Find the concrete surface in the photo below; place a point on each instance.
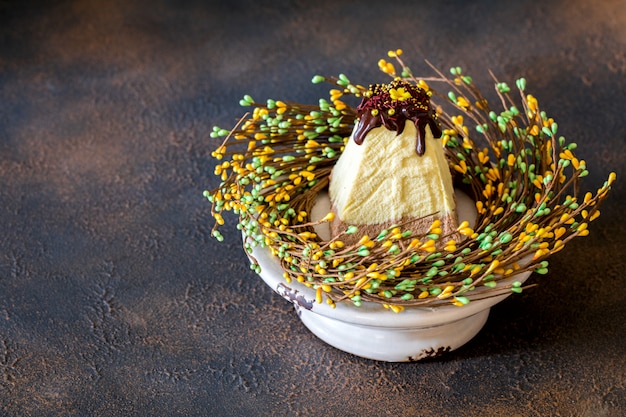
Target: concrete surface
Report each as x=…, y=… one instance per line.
x=115, y=301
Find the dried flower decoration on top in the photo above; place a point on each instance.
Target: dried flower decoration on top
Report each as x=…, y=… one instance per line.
x=391, y=105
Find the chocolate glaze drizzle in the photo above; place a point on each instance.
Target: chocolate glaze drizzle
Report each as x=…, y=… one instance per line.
x=391, y=105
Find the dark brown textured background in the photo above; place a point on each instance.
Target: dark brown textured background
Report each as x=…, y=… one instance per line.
x=115, y=301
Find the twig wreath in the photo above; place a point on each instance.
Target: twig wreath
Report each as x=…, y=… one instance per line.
x=523, y=177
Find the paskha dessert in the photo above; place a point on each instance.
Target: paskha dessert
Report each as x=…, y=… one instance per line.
x=524, y=199
x=393, y=169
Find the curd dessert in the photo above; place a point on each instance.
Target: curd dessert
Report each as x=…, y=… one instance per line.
x=393, y=170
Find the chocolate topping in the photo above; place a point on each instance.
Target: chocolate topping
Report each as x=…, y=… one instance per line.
x=391, y=105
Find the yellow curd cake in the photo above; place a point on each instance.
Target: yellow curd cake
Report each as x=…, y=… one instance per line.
x=393, y=169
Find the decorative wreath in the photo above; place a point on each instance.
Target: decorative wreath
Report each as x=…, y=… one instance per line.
x=523, y=177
